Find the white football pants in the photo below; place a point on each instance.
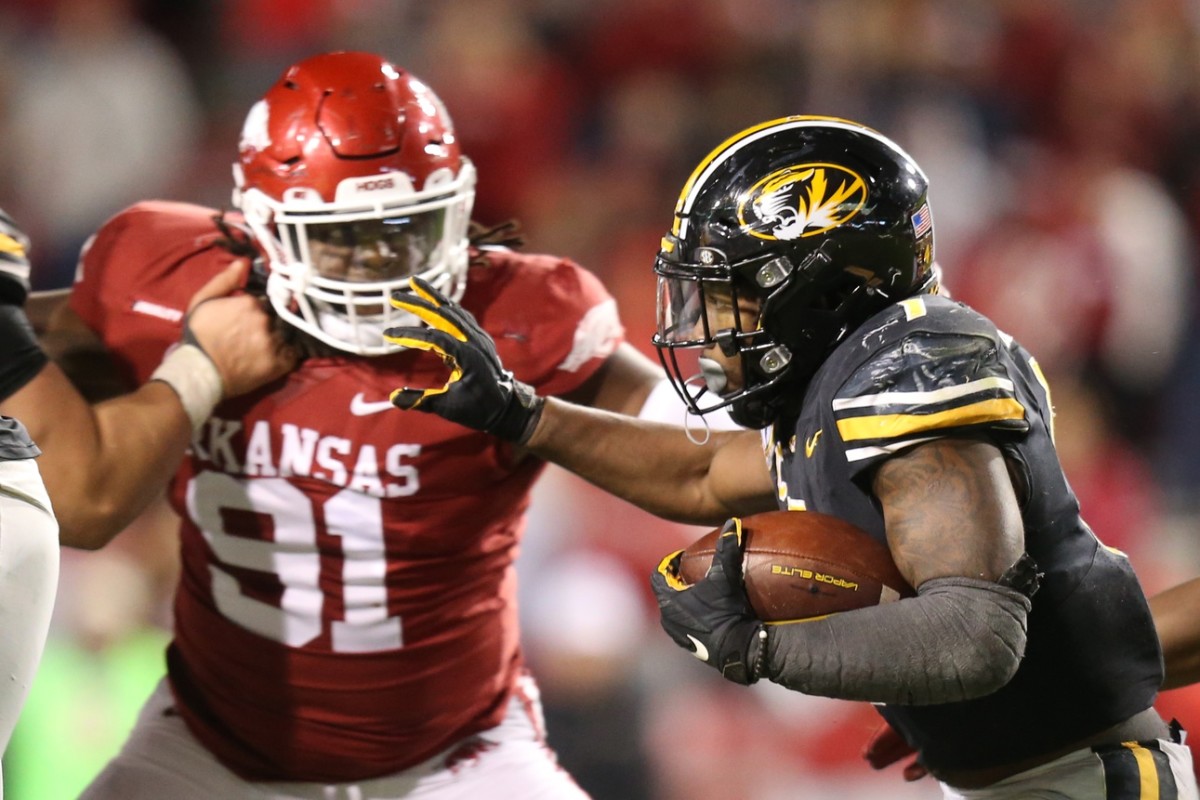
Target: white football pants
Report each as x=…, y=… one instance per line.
x=28, y=583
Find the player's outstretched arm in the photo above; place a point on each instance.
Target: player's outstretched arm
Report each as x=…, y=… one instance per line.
x=656, y=466
x=652, y=465
x=1178, y=627
x=104, y=464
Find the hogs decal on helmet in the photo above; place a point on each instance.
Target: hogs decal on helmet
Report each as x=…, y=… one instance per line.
x=350, y=176
x=786, y=237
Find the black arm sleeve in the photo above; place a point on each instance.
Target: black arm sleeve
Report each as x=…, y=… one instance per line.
x=960, y=638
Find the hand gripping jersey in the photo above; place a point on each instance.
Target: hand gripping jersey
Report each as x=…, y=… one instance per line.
x=347, y=600
x=925, y=368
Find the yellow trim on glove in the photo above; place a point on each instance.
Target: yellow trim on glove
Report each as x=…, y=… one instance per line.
x=737, y=529
x=665, y=569
x=450, y=361
x=426, y=315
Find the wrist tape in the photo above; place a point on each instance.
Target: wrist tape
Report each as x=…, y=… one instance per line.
x=194, y=377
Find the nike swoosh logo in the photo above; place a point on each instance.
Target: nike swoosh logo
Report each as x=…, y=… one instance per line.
x=360, y=406
x=701, y=652
x=811, y=444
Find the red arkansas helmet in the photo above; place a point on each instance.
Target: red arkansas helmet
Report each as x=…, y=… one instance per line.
x=352, y=180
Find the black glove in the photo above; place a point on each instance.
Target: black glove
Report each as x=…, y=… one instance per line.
x=14, y=262
x=480, y=394
x=712, y=619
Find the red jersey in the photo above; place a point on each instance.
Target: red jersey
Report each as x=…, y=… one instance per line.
x=347, y=605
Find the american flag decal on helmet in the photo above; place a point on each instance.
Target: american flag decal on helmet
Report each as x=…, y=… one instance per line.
x=922, y=221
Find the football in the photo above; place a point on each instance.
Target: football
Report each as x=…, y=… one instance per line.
x=801, y=564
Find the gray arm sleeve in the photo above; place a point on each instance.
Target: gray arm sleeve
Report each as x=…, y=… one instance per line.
x=958, y=639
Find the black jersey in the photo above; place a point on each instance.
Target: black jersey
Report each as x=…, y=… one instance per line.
x=925, y=368
x=15, y=444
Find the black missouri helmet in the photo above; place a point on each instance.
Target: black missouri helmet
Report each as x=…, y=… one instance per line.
x=817, y=223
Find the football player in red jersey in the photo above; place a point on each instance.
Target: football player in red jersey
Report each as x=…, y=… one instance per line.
x=799, y=272
x=346, y=623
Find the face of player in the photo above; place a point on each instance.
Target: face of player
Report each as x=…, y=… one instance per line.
x=370, y=250
x=722, y=315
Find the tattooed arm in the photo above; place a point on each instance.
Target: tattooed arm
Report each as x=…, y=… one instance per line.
x=951, y=511
x=954, y=528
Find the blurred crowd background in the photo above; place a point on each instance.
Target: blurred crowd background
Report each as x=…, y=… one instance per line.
x=1062, y=139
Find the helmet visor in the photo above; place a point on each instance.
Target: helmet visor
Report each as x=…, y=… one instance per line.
x=681, y=317
x=373, y=250
x=691, y=309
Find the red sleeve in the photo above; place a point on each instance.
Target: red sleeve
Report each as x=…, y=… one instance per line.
x=137, y=275
x=553, y=321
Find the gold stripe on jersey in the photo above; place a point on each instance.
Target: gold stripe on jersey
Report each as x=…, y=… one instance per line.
x=890, y=426
x=1137, y=771
x=1147, y=772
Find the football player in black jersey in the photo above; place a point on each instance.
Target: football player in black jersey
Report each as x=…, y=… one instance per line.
x=797, y=288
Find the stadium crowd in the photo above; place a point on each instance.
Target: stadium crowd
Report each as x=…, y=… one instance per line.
x=1061, y=140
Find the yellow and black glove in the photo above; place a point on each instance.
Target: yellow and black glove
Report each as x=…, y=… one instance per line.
x=712, y=618
x=480, y=393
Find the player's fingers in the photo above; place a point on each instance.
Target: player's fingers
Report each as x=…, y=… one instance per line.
x=433, y=340
x=447, y=308
x=914, y=772
x=228, y=280
x=287, y=355
x=427, y=290
x=732, y=527
x=668, y=572
x=406, y=399
x=728, y=553
x=429, y=313
x=886, y=747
